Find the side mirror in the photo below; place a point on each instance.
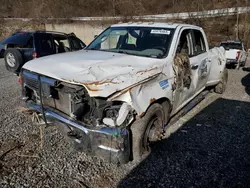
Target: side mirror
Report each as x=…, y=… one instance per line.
x=95, y=36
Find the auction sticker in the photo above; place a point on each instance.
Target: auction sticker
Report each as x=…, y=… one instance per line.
x=160, y=31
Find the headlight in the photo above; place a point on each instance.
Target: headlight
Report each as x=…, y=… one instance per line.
x=118, y=115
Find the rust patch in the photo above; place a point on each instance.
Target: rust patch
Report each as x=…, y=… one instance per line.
x=93, y=90
x=140, y=116
x=125, y=91
x=65, y=80
x=152, y=100
x=85, y=85
x=131, y=87
x=147, y=70
x=109, y=81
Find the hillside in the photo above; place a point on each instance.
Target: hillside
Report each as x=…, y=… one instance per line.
x=72, y=8
x=217, y=29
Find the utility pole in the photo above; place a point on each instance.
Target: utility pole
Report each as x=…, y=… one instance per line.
x=237, y=25
x=113, y=7
x=237, y=21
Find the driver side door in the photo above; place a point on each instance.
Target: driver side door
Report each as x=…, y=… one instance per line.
x=186, y=70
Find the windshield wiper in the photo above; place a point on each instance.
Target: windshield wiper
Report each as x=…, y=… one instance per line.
x=142, y=55
x=124, y=52
x=91, y=49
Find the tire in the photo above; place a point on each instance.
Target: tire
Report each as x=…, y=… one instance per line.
x=2, y=53
x=243, y=64
x=13, y=60
x=148, y=129
x=233, y=66
x=220, y=88
x=238, y=65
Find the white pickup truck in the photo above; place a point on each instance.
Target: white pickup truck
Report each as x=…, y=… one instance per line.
x=116, y=96
x=236, y=53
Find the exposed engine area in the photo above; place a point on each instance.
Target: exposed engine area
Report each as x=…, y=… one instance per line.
x=87, y=109
x=72, y=100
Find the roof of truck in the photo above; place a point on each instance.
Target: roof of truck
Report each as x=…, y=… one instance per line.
x=153, y=24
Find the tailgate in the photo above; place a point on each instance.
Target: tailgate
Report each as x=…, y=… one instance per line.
x=231, y=54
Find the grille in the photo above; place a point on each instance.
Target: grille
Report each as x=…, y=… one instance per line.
x=52, y=97
x=32, y=83
x=30, y=80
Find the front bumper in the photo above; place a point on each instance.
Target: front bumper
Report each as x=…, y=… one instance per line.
x=111, y=144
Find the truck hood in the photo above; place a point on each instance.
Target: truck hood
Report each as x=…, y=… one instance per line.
x=101, y=73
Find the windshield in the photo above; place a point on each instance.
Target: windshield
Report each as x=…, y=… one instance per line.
x=232, y=45
x=141, y=41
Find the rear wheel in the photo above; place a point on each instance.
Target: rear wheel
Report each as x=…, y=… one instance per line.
x=148, y=129
x=238, y=65
x=221, y=86
x=243, y=63
x=1, y=53
x=13, y=60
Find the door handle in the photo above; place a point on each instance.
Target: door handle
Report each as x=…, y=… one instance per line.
x=194, y=67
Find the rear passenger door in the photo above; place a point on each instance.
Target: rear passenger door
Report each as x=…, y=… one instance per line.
x=44, y=44
x=200, y=60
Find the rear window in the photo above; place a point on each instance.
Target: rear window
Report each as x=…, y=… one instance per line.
x=18, y=38
x=232, y=45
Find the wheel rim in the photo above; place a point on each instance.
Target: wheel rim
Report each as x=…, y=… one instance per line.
x=154, y=130
x=10, y=60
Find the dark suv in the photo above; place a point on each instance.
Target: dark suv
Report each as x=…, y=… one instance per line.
x=24, y=46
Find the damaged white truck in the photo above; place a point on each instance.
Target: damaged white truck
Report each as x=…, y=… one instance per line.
x=115, y=97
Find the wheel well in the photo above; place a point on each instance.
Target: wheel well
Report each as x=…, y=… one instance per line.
x=165, y=102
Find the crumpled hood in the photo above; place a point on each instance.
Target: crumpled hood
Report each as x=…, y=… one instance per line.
x=102, y=73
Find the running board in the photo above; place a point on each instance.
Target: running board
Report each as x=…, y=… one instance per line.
x=187, y=108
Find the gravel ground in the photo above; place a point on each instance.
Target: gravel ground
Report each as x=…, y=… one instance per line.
x=210, y=149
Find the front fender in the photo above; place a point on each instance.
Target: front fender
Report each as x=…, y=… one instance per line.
x=143, y=95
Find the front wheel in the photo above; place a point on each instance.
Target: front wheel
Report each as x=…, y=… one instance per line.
x=146, y=130
x=220, y=88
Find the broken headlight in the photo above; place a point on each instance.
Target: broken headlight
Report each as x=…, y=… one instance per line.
x=118, y=115
x=112, y=111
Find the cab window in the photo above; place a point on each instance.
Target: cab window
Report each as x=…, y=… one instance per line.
x=185, y=43
x=198, y=42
